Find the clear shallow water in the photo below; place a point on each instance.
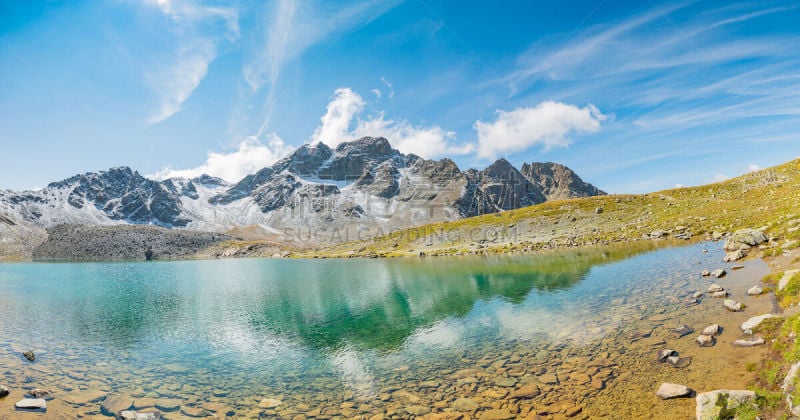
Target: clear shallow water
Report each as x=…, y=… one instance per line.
x=335, y=337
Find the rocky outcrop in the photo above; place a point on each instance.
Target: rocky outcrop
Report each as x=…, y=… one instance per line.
x=744, y=239
x=557, y=182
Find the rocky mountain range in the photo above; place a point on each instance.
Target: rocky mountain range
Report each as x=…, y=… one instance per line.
x=311, y=195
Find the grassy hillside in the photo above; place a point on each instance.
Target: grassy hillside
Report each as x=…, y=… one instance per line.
x=769, y=198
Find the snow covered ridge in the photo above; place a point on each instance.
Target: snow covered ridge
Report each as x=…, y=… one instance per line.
x=364, y=183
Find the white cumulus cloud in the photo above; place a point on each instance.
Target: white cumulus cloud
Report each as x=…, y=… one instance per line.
x=341, y=123
x=250, y=156
x=335, y=124
x=548, y=124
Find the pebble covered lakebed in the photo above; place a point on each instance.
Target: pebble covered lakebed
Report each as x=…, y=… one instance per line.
x=558, y=334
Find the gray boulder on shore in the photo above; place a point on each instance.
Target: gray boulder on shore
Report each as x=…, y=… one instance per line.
x=744, y=239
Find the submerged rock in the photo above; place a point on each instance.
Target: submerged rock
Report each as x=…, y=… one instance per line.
x=269, y=403
x=465, y=405
x=749, y=343
x=719, y=295
x=715, y=288
x=667, y=391
x=29, y=355
x=526, y=392
x=113, y=404
x=679, y=362
x=754, y=321
x=697, y=295
x=681, y=330
x=705, y=273
x=31, y=404
x=139, y=415
x=732, y=305
x=718, y=273
x=662, y=355
x=705, y=340
x=755, y=291
x=710, y=404
x=39, y=393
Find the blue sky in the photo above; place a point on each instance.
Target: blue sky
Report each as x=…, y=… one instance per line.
x=634, y=96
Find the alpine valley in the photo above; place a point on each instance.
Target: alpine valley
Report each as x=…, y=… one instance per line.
x=315, y=196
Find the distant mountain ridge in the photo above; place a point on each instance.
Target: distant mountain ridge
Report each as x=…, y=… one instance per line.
x=362, y=184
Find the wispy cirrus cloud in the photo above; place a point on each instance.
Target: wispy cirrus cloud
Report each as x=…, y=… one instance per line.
x=196, y=33
x=292, y=27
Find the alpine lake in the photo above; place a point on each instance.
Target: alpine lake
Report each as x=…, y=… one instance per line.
x=554, y=334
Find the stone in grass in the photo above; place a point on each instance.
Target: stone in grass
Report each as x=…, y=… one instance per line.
x=710, y=405
x=754, y=321
x=31, y=404
x=718, y=273
x=732, y=305
x=705, y=340
x=668, y=391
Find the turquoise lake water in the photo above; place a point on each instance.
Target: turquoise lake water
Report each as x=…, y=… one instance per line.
x=315, y=334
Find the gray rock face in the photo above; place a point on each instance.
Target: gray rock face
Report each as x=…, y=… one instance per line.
x=667, y=391
x=710, y=404
x=557, y=182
